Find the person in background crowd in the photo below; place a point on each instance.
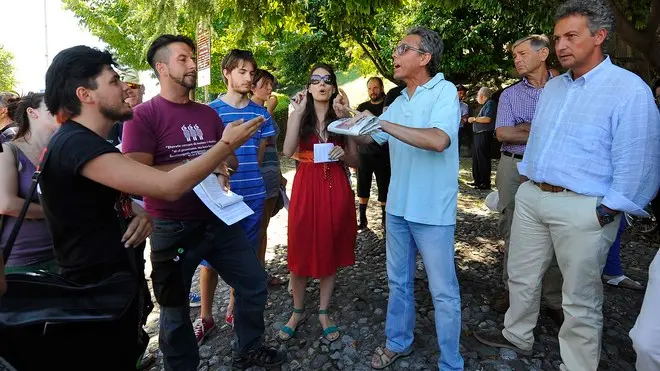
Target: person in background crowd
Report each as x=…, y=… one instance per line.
x=374, y=159
x=483, y=126
x=8, y=129
x=185, y=228
x=613, y=272
x=238, y=68
x=424, y=152
x=262, y=94
x=322, y=225
x=262, y=90
x=392, y=95
x=591, y=127
x=135, y=96
x=515, y=111
x=465, y=114
x=33, y=248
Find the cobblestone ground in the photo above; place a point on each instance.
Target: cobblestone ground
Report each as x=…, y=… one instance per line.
x=360, y=303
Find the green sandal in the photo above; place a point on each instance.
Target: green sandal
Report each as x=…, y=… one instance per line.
x=287, y=333
x=329, y=330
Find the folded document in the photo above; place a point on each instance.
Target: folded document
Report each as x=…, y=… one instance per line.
x=355, y=126
x=226, y=205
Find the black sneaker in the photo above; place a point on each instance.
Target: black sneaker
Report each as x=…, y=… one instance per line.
x=264, y=356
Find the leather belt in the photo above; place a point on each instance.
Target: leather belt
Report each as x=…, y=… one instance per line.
x=545, y=187
x=514, y=155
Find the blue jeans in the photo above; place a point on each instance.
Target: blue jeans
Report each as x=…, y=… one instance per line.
x=613, y=262
x=436, y=244
x=226, y=248
x=250, y=225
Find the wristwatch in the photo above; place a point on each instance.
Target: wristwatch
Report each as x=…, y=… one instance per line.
x=605, y=217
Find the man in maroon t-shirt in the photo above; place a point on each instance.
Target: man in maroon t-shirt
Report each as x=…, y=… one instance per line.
x=165, y=132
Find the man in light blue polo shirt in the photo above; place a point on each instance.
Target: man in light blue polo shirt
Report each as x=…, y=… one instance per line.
x=421, y=127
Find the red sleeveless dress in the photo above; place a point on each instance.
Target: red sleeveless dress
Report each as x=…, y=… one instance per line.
x=322, y=222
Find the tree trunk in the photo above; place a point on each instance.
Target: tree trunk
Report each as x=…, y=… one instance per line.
x=646, y=43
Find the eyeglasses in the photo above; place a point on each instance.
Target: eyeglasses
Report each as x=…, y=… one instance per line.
x=401, y=49
x=316, y=79
x=133, y=85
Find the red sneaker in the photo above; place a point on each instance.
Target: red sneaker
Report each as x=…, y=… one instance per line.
x=202, y=329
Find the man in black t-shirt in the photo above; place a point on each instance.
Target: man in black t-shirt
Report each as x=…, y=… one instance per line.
x=373, y=157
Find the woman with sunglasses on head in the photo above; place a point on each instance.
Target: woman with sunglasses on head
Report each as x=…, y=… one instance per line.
x=33, y=248
x=322, y=222
x=263, y=84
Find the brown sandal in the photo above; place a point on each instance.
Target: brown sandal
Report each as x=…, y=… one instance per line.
x=384, y=360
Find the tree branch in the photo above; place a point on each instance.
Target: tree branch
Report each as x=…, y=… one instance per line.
x=375, y=60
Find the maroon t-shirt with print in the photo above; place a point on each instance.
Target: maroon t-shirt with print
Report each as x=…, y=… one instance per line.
x=172, y=132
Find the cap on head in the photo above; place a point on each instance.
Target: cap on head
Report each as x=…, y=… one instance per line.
x=130, y=75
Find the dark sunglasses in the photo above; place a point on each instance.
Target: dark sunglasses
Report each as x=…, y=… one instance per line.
x=316, y=79
x=133, y=85
x=401, y=49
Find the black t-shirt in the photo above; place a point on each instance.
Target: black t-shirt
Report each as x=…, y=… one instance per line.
x=81, y=213
x=377, y=110
x=393, y=94
x=114, y=136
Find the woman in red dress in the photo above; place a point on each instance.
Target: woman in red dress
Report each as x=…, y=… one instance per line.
x=322, y=223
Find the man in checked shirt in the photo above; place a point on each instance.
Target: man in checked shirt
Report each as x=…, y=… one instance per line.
x=514, y=116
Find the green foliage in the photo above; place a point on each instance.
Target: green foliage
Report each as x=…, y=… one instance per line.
x=288, y=36
x=7, y=80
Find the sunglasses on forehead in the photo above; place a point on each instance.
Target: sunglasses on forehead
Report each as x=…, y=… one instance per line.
x=401, y=49
x=132, y=85
x=316, y=79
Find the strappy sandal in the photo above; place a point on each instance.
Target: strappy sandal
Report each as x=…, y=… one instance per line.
x=384, y=360
x=329, y=330
x=287, y=333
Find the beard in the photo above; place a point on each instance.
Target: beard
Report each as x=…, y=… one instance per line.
x=188, y=81
x=119, y=112
x=241, y=89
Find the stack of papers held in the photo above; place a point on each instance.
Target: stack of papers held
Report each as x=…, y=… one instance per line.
x=226, y=205
x=355, y=126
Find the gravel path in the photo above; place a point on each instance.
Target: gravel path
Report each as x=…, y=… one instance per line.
x=361, y=293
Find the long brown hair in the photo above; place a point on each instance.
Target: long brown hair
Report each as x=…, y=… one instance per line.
x=30, y=100
x=308, y=126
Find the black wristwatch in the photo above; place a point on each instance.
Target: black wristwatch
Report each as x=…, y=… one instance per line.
x=604, y=217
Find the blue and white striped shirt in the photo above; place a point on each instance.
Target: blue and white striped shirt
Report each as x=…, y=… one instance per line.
x=598, y=135
x=247, y=181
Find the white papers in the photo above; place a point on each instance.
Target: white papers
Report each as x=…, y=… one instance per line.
x=355, y=126
x=322, y=152
x=228, y=206
x=139, y=202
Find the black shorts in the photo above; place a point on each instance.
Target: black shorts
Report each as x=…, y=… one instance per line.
x=370, y=164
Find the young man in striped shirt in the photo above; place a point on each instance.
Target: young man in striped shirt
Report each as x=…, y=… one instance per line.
x=238, y=68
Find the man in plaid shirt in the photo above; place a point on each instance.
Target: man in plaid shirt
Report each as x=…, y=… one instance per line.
x=514, y=117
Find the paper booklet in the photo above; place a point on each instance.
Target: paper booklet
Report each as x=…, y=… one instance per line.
x=226, y=205
x=355, y=126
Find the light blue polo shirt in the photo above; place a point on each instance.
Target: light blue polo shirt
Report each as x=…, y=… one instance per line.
x=424, y=184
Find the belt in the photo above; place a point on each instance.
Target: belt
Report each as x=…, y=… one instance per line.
x=545, y=187
x=514, y=155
